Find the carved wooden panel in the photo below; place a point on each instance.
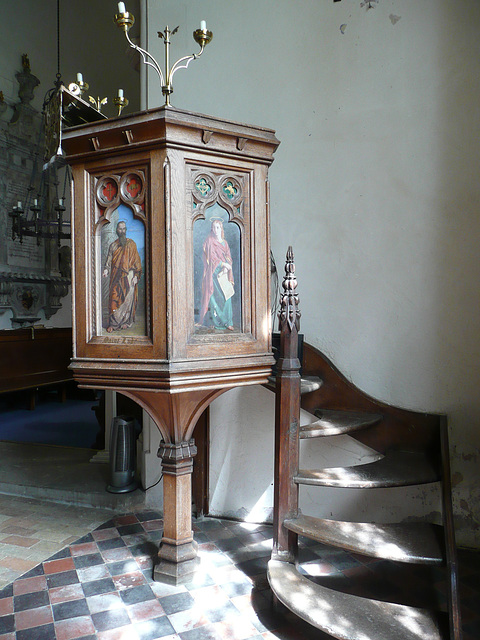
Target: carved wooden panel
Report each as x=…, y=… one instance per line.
x=34, y=357
x=116, y=274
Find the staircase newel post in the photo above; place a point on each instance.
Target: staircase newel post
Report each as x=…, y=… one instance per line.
x=287, y=417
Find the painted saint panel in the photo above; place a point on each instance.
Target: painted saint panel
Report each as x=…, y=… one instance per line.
x=217, y=273
x=123, y=275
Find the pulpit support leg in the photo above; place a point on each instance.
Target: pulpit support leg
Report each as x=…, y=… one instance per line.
x=176, y=415
x=177, y=555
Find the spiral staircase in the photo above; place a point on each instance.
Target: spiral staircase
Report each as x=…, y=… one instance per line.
x=414, y=451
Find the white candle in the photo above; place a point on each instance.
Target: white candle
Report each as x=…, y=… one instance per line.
x=120, y=93
x=121, y=7
x=35, y=202
x=203, y=25
x=19, y=205
x=79, y=77
x=60, y=202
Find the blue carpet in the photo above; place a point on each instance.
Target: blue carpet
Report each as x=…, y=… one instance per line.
x=70, y=424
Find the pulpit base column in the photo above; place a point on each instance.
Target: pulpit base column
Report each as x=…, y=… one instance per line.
x=177, y=555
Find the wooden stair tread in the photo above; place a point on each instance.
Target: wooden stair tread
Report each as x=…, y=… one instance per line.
x=332, y=423
x=307, y=384
x=346, y=616
x=415, y=542
x=395, y=469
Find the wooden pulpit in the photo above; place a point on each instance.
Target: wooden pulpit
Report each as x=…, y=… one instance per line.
x=171, y=265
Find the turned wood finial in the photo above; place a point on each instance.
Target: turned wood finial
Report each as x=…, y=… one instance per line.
x=289, y=311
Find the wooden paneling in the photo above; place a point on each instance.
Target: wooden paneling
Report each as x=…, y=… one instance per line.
x=32, y=358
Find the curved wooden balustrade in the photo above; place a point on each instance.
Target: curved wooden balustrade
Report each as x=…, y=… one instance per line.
x=413, y=450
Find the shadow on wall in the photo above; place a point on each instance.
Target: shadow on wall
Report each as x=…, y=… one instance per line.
x=242, y=428
x=241, y=454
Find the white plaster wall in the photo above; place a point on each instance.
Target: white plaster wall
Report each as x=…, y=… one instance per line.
x=375, y=185
x=241, y=454
x=241, y=474
x=150, y=466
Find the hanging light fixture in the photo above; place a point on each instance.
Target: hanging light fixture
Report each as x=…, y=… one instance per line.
x=46, y=217
x=41, y=213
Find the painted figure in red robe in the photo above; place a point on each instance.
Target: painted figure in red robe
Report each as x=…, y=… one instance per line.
x=124, y=267
x=217, y=282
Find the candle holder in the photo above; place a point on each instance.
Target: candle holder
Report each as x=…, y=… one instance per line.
x=16, y=215
x=97, y=102
x=52, y=227
x=83, y=86
x=120, y=102
x=79, y=87
x=125, y=20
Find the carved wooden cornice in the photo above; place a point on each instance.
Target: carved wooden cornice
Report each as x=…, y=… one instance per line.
x=156, y=127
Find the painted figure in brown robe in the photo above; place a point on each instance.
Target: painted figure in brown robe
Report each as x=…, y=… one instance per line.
x=124, y=267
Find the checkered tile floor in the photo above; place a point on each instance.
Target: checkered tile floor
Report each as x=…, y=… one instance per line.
x=100, y=587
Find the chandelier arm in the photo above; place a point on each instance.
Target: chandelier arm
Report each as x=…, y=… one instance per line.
x=146, y=58
x=178, y=64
